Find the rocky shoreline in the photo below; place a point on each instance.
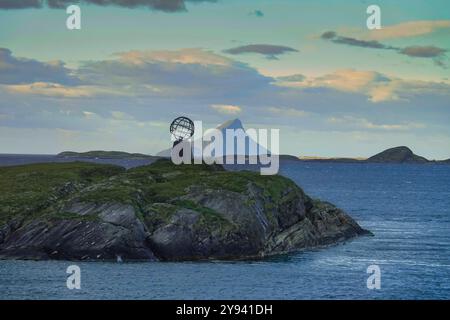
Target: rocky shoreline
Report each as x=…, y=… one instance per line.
x=159, y=212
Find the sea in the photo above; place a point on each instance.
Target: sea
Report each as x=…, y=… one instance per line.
x=406, y=206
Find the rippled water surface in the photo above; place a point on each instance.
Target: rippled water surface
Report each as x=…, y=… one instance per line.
x=407, y=207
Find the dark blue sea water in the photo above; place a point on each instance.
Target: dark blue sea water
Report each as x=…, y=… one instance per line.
x=407, y=207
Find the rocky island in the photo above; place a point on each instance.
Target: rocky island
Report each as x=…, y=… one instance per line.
x=397, y=155
x=159, y=212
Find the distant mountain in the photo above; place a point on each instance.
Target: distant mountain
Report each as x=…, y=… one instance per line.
x=234, y=124
x=397, y=155
x=103, y=154
x=231, y=124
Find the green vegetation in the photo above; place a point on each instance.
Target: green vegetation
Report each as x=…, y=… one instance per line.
x=40, y=190
x=209, y=218
x=169, y=186
x=27, y=190
x=162, y=213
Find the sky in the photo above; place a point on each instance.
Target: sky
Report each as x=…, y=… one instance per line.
x=310, y=68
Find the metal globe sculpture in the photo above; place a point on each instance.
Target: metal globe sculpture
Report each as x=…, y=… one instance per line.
x=182, y=128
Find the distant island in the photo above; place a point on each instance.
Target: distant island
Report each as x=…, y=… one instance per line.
x=397, y=155
x=400, y=154
x=103, y=155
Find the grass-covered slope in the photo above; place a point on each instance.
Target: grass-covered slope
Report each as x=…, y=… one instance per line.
x=25, y=191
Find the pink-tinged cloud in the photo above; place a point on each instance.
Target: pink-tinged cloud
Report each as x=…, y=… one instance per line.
x=409, y=29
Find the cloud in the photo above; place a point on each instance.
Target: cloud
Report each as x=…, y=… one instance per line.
x=257, y=13
x=292, y=78
x=334, y=37
x=177, y=73
x=362, y=123
x=183, y=56
x=89, y=115
x=4, y=116
x=268, y=50
x=288, y=112
x=409, y=29
x=185, y=72
x=226, y=109
x=385, y=92
x=348, y=80
x=15, y=70
x=56, y=90
x=376, y=86
x=161, y=5
x=119, y=115
x=193, y=74
x=423, y=51
x=51, y=90
x=20, y=4
x=435, y=53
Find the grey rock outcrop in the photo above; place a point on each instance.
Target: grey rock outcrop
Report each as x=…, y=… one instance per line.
x=118, y=233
